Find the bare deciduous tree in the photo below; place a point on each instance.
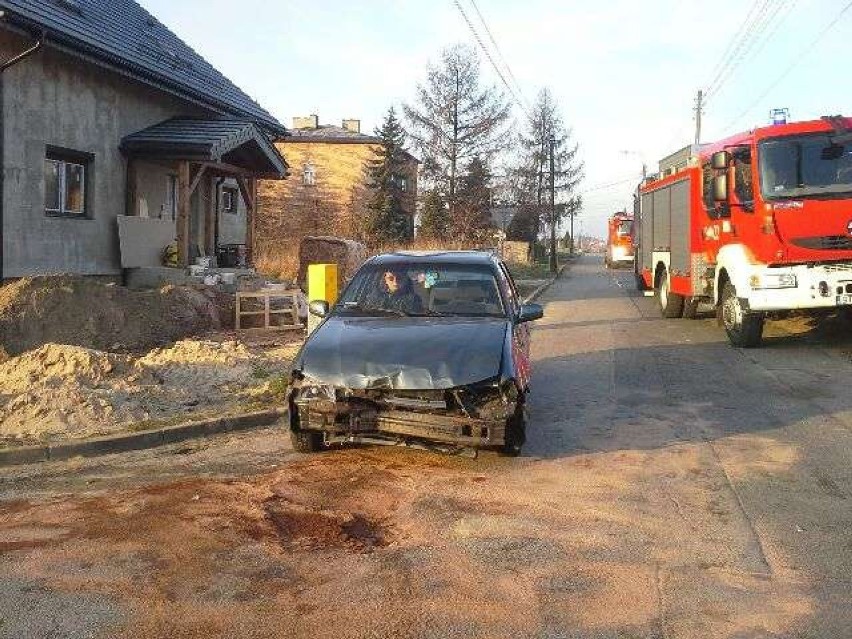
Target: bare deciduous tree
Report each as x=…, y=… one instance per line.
x=456, y=119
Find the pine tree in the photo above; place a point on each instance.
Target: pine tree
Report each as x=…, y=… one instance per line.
x=532, y=173
x=434, y=216
x=387, y=220
x=472, y=222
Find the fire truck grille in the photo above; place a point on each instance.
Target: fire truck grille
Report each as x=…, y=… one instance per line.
x=839, y=267
x=835, y=242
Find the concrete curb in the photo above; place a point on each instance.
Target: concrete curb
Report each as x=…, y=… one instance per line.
x=541, y=289
x=138, y=441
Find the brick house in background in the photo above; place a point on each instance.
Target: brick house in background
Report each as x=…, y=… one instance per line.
x=326, y=193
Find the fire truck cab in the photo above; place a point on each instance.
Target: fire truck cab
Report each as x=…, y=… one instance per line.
x=757, y=223
x=619, y=240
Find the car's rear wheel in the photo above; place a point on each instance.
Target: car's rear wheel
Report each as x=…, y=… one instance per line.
x=516, y=433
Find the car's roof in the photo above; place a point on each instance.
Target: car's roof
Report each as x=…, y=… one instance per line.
x=434, y=257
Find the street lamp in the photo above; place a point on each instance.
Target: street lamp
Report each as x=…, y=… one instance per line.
x=554, y=263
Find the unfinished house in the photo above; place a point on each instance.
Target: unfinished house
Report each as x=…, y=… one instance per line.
x=121, y=146
x=327, y=193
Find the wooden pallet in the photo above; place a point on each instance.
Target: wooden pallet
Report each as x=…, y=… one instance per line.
x=267, y=295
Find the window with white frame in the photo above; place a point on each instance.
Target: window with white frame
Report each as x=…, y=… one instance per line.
x=401, y=182
x=65, y=182
x=309, y=175
x=230, y=200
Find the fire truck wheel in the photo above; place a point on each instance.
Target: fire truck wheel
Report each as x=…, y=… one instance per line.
x=744, y=329
x=671, y=304
x=690, y=308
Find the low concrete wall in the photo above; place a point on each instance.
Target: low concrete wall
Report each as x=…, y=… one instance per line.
x=143, y=239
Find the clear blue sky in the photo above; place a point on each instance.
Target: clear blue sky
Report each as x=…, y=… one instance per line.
x=625, y=72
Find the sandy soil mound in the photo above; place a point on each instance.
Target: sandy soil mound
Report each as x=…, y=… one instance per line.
x=84, y=312
x=65, y=391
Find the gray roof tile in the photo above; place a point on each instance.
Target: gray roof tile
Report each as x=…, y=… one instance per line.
x=123, y=34
x=209, y=140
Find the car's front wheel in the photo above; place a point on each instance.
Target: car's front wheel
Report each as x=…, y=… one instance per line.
x=305, y=441
x=516, y=433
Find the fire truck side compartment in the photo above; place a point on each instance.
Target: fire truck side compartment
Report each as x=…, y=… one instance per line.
x=680, y=214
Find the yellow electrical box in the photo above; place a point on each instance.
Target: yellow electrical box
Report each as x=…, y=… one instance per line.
x=322, y=283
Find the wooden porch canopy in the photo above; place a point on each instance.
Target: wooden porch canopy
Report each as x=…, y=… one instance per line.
x=203, y=150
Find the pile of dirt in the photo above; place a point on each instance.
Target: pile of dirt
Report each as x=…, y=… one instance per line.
x=80, y=311
x=64, y=391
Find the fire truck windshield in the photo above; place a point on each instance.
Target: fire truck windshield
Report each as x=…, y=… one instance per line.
x=625, y=227
x=805, y=166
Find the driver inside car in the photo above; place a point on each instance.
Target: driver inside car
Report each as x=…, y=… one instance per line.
x=395, y=293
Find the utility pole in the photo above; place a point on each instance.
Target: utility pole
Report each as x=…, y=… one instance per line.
x=554, y=263
x=699, y=110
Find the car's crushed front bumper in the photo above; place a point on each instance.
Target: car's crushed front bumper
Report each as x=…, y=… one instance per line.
x=474, y=417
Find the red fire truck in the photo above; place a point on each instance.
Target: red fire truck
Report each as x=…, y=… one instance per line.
x=757, y=223
x=619, y=240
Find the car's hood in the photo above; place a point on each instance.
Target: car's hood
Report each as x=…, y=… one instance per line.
x=415, y=353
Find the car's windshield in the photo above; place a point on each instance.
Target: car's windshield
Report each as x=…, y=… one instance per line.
x=804, y=166
x=422, y=289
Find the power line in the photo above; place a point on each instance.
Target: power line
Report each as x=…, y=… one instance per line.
x=751, y=41
x=609, y=185
x=793, y=64
x=488, y=54
x=723, y=61
x=762, y=33
x=499, y=52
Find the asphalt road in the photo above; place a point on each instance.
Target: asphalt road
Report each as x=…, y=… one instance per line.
x=672, y=487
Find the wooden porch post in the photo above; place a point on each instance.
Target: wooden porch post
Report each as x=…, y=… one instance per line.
x=184, y=195
x=251, y=221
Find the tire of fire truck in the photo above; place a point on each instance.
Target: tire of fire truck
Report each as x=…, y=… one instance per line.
x=690, y=308
x=640, y=281
x=744, y=330
x=516, y=433
x=671, y=304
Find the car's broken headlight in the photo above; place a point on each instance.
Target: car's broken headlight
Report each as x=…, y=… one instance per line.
x=310, y=389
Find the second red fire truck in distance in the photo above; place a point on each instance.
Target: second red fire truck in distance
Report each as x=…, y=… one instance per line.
x=754, y=224
x=619, y=240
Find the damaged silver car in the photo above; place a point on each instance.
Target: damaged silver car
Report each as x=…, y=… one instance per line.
x=421, y=349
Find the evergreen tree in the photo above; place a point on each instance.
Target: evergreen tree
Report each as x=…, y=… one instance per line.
x=456, y=119
x=387, y=220
x=532, y=173
x=472, y=221
x=434, y=216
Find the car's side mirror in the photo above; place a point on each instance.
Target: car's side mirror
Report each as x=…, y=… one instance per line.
x=318, y=308
x=530, y=312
